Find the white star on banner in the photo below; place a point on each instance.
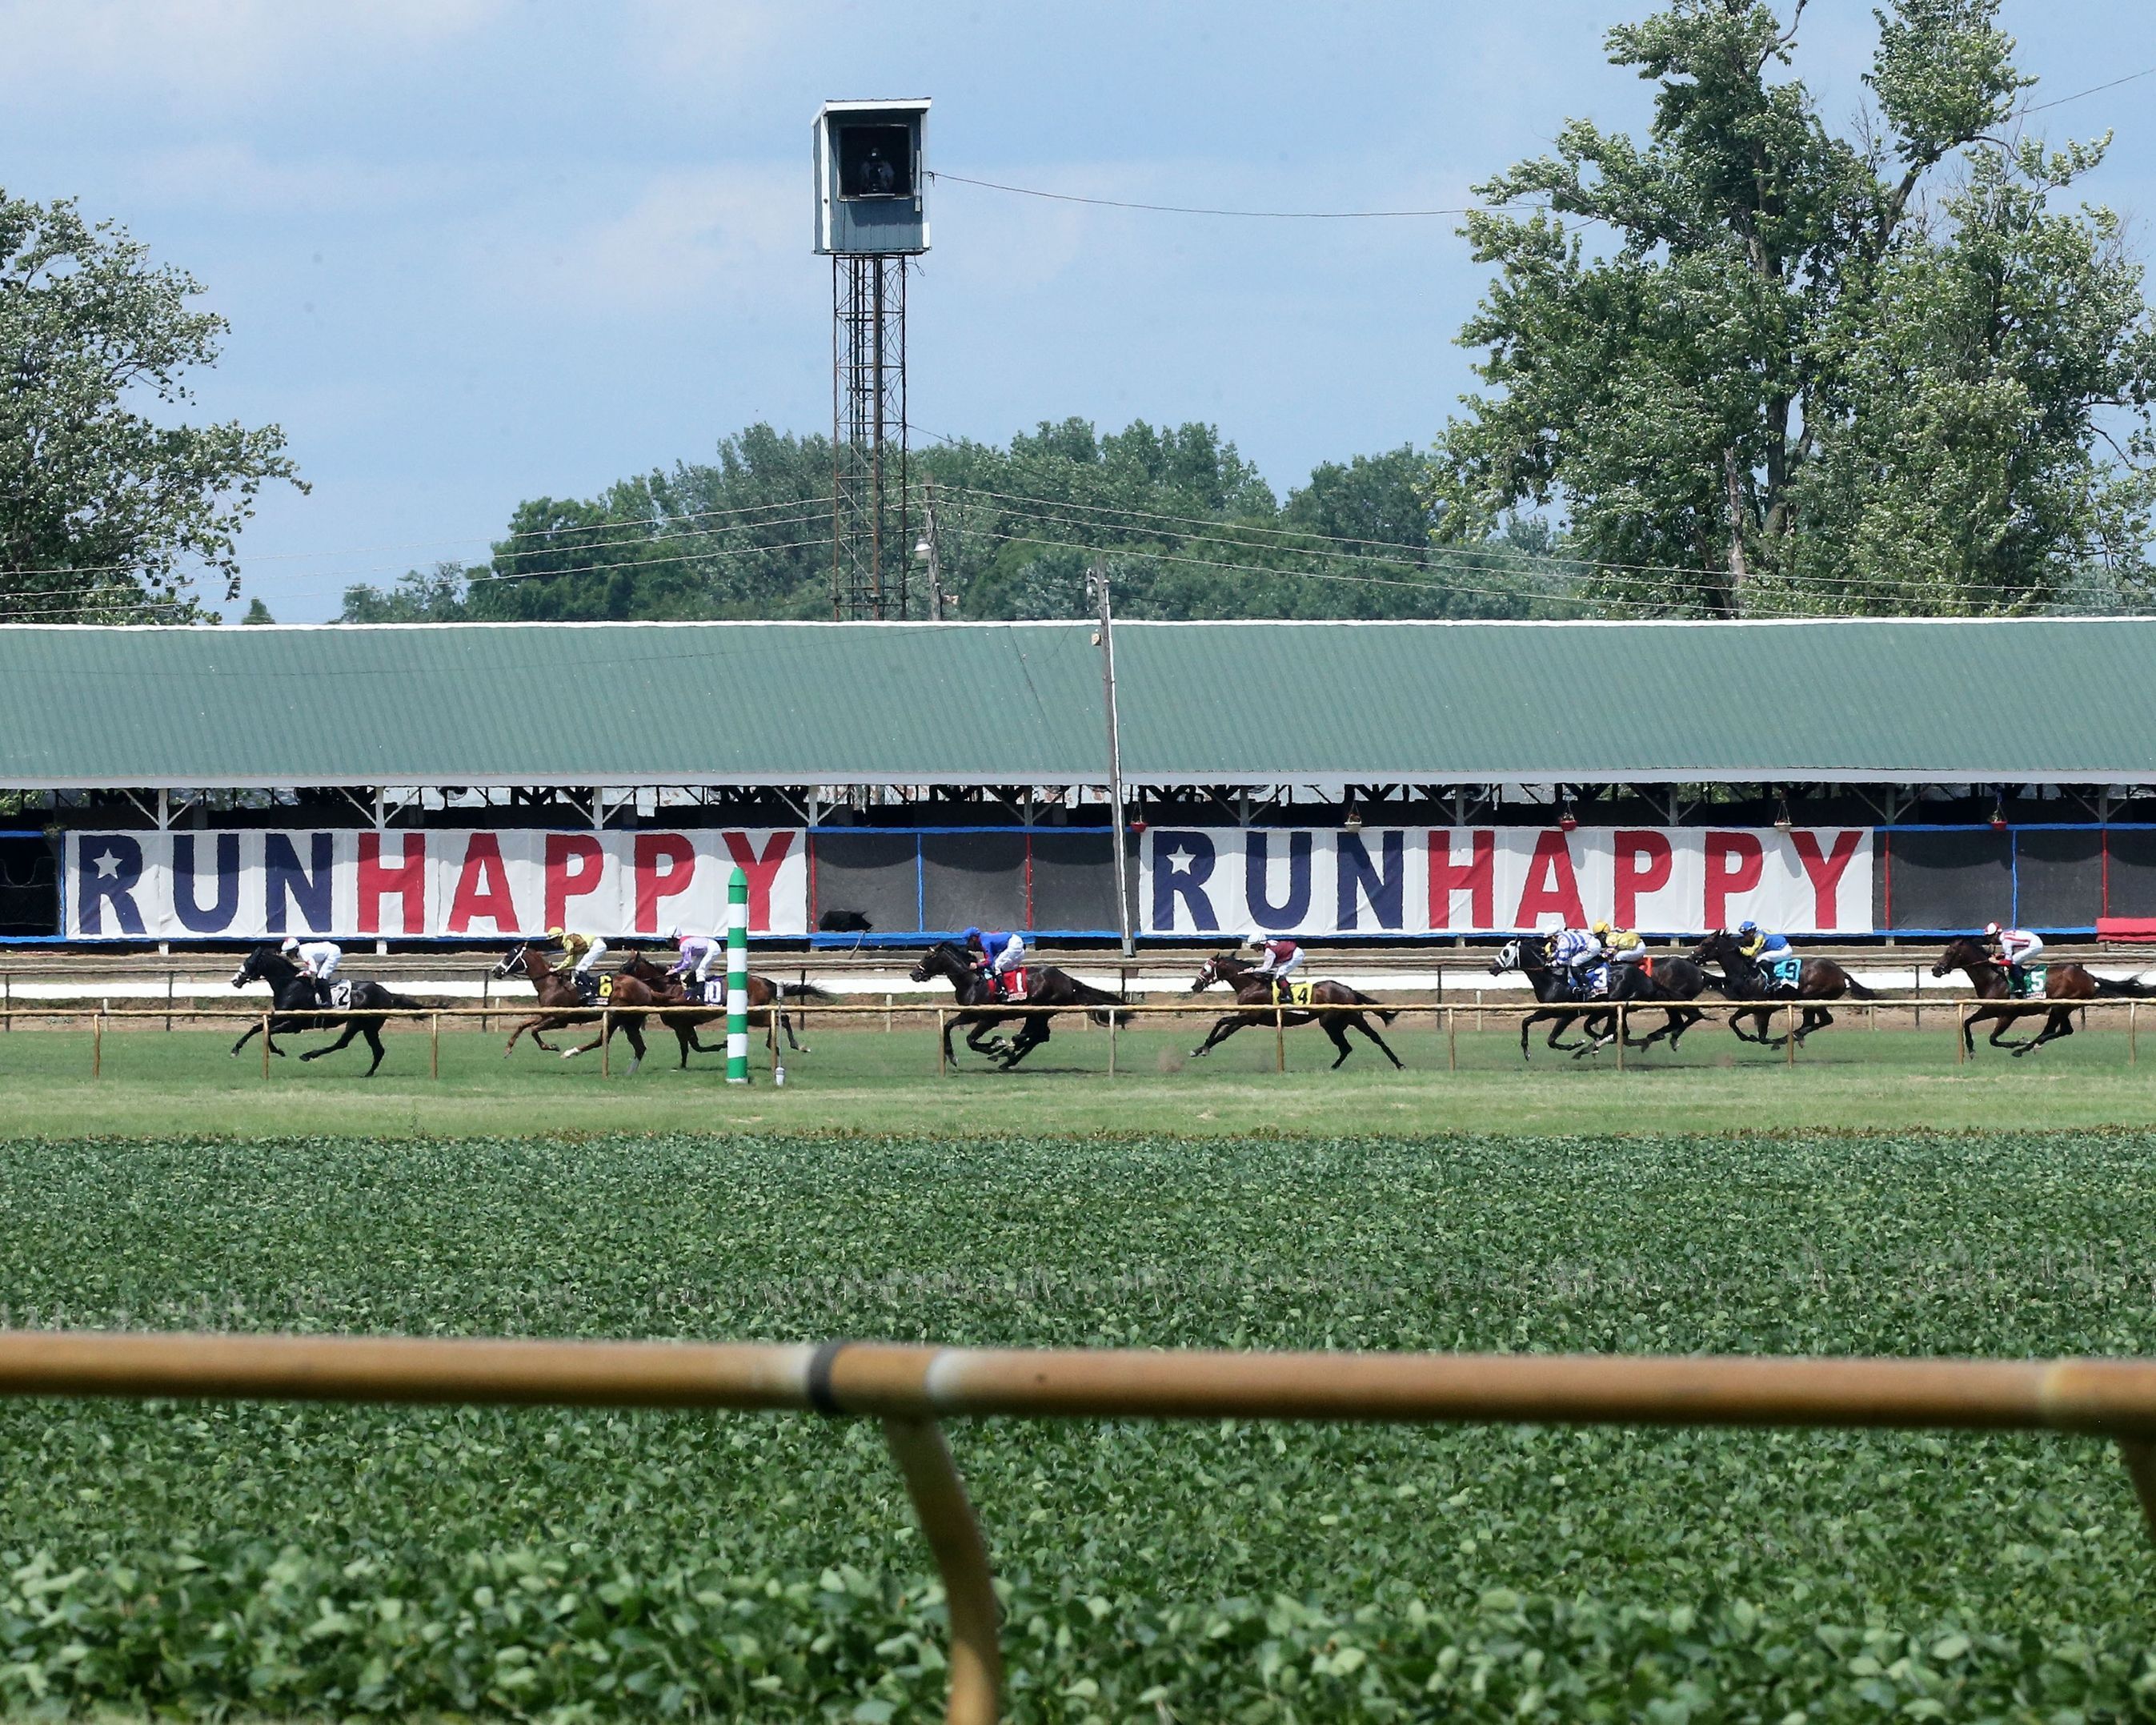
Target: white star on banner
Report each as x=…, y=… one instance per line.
x=108, y=866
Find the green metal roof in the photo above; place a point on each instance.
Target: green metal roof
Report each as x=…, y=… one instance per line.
x=1319, y=704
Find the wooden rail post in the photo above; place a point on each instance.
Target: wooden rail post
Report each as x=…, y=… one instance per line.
x=265, y=1045
x=2133, y=1033
x=1961, y=1032
x=1452, y=1039
x=8, y=1001
x=434, y=1047
x=1280, y=1032
x=1113, y=1015
x=97, y=1045
x=1621, y=1006
x=962, y=1560
x=606, y=1042
x=1789, y=1047
x=2139, y=1456
x=168, y=1001
x=942, y=1065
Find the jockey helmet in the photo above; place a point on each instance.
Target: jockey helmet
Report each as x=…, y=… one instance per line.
x=291, y=944
x=1990, y=931
x=1601, y=928
x=553, y=934
x=1748, y=927
x=675, y=933
x=971, y=937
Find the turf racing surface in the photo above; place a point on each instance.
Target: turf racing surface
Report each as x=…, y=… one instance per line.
x=580, y=1565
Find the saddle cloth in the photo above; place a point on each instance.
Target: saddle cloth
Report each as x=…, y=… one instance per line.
x=592, y=989
x=2031, y=984
x=1784, y=973
x=1594, y=985
x=337, y=995
x=1011, y=985
x=1293, y=994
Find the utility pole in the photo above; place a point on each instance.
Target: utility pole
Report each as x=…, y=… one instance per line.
x=930, y=551
x=1104, y=637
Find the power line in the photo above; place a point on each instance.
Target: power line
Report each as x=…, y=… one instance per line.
x=2093, y=89
x=1184, y=209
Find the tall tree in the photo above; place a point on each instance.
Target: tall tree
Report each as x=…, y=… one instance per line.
x=109, y=510
x=1808, y=371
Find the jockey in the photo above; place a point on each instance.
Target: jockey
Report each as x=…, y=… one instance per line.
x=579, y=953
x=999, y=952
x=1769, y=951
x=318, y=961
x=1278, y=956
x=2016, y=948
x=700, y=952
x=1623, y=945
x=1576, y=951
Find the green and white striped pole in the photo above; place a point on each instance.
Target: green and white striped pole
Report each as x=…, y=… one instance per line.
x=737, y=978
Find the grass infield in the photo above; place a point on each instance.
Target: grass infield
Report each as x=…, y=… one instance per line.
x=152, y=1082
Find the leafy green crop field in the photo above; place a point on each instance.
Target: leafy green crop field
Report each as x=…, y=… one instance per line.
x=152, y=1082
x=303, y=1561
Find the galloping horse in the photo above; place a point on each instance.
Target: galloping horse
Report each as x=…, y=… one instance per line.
x=1530, y=957
x=297, y=1007
x=560, y=1004
x=2062, y=982
x=1045, y=986
x=1742, y=979
x=1673, y=979
x=1254, y=1000
x=764, y=995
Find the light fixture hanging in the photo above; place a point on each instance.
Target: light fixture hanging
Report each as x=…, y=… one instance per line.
x=1782, y=821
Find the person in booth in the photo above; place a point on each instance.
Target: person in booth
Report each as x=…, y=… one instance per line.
x=996, y=953
x=318, y=961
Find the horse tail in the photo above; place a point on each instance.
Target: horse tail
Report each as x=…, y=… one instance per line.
x=2130, y=988
x=803, y=990
x=1385, y=1015
x=405, y=1003
x=1859, y=990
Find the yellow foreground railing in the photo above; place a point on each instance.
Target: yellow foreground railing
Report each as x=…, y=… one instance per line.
x=910, y=1389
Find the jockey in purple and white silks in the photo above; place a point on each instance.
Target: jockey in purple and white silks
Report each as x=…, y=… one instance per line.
x=700, y=955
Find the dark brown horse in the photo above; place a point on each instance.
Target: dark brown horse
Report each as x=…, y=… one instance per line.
x=764, y=994
x=1743, y=979
x=297, y=1007
x=985, y=1009
x=1254, y=999
x=2067, y=984
x=560, y=1004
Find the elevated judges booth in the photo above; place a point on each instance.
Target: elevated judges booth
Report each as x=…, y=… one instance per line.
x=871, y=174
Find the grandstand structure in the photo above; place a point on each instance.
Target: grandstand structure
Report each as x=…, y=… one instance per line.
x=932, y=776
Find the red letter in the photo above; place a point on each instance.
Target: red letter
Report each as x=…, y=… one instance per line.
x=1826, y=873
x=654, y=882
x=406, y=883
x=1734, y=863
x=1634, y=881
x=1477, y=877
x=762, y=872
x=1551, y=886
x=482, y=889
x=565, y=882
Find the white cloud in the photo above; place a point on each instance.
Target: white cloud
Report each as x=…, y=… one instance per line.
x=240, y=178
x=704, y=42
x=728, y=234
x=204, y=49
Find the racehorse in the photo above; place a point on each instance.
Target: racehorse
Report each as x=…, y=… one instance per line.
x=764, y=994
x=1254, y=997
x=295, y=1006
x=1554, y=990
x=560, y=1004
x=1672, y=979
x=1743, y=979
x=2066, y=982
x=1045, y=986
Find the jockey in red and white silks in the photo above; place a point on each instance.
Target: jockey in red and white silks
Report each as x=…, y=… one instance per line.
x=2017, y=947
x=1278, y=956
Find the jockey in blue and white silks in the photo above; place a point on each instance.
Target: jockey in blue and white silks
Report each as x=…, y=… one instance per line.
x=1577, y=952
x=999, y=952
x=1777, y=959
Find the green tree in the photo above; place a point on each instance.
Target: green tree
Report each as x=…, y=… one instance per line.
x=257, y=612
x=436, y=595
x=1873, y=373
x=108, y=510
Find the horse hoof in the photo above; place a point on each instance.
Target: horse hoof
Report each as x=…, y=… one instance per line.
x=570, y=1054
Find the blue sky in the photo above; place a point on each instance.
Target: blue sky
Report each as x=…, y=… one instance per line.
x=479, y=250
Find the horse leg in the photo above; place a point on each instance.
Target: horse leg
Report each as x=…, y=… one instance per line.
x=372, y=1029
x=351, y=1029
x=1564, y=1020
x=1337, y=1032
x=1220, y=1033
x=632, y=1029
x=2061, y=1023
x=1816, y=1017
x=1033, y=1032
x=252, y=1031
x=1370, y=1030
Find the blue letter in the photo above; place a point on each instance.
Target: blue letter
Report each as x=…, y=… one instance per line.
x=1267, y=914
x=309, y=892
x=218, y=917
x=1182, y=865
x=106, y=871
x=1386, y=890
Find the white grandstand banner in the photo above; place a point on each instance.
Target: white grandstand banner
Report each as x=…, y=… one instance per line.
x=1202, y=881
x=461, y=883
